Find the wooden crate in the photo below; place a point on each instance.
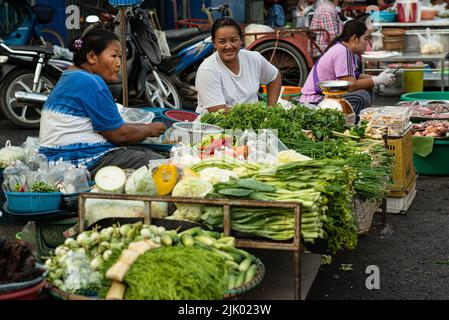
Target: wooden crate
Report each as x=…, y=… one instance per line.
x=403, y=171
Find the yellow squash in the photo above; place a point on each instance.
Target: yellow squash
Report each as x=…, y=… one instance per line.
x=165, y=178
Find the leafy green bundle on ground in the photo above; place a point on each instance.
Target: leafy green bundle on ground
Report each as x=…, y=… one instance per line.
x=177, y=273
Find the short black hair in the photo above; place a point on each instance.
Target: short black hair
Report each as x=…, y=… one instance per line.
x=225, y=22
x=96, y=40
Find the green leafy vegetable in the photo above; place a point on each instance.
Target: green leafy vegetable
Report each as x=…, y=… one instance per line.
x=177, y=273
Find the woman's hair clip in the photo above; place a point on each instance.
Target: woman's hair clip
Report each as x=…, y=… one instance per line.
x=78, y=44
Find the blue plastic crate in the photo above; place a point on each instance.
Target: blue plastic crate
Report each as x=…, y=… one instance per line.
x=33, y=202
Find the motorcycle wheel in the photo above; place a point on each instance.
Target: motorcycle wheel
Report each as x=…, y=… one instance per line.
x=21, y=114
x=287, y=59
x=154, y=95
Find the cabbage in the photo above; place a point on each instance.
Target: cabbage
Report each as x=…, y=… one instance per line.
x=190, y=187
x=215, y=175
x=140, y=182
x=9, y=154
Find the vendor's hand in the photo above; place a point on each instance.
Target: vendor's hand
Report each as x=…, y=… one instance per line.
x=386, y=77
x=156, y=129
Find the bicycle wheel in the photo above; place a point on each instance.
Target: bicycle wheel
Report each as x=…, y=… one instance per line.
x=287, y=59
x=51, y=38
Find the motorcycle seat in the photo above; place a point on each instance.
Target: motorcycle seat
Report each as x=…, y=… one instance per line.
x=46, y=50
x=175, y=47
x=181, y=34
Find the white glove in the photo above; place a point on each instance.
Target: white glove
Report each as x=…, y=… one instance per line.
x=385, y=78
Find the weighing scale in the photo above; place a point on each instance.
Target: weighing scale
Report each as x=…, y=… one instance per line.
x=334, y=91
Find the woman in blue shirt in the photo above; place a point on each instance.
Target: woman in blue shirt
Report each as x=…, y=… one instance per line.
x=80, y=121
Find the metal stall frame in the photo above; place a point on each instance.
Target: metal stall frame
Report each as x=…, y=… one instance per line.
x=294, y=246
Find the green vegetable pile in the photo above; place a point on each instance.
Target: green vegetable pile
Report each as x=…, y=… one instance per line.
x=323, y=187
x=369, y=159
x=288, y=123
x=41, y=186
x=177, y=273
x=101, y=248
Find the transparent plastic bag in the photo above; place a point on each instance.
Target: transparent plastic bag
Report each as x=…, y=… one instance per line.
x=75, y=181
x=430, y=44
x=9, y=154
x=135, y=115
x=37, y=161
x=15, y=177
x=40, y=181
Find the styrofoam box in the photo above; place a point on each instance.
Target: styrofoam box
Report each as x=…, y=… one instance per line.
x=397, y=205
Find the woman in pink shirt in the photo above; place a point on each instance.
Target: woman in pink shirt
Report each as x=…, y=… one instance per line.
x=339, y=63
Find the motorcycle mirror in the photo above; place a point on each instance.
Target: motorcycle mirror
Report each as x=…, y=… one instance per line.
x=92, y=19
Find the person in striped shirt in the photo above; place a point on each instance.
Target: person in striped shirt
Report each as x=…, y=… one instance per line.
x=339, y=63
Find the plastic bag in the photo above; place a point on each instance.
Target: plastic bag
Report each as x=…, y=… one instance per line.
x=430, y=44
x=135, y=115
x=9, y=154
x=162, y=41
x=255, y=28
x=15, y=177
x=75, y=180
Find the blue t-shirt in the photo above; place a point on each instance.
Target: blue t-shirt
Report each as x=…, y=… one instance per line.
x=79, y=106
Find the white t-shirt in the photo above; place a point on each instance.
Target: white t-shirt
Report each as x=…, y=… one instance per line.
x=217, y=85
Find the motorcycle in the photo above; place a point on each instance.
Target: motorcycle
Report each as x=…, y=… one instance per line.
x=27, y=76
x=28, y=30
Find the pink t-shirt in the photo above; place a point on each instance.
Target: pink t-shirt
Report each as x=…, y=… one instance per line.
x=337, y=62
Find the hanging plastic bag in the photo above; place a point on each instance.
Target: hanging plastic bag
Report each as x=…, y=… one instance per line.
x=162, y=41
x=9, y=154
x=430, y=44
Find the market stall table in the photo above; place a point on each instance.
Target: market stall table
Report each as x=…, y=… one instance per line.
x=409, y=57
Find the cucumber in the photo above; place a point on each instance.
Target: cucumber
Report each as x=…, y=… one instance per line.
x=187, y=240
x=226, y=239
x=173, y=235
x=231, y=249
x=237, y=258
x=225, y=255
x=245, y=264
x=231, y=281
x=232, y=264
x=166, y=240
x=192, y=231
x=208, y=241
x=250, y=273
x=240, y=279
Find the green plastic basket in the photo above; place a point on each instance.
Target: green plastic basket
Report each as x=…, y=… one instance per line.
x=49, y=235
x=435, y=164
x=429, y=95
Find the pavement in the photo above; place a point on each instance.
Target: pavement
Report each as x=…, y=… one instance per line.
x=406, y=259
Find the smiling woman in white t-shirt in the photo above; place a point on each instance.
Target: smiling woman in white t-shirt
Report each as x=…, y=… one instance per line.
x=232, y=75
